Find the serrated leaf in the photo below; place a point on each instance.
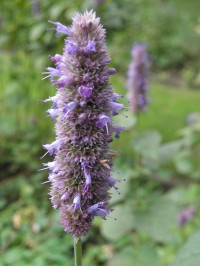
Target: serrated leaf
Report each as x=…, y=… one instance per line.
x=113, y=230
x=158, y=220
x=189, y=255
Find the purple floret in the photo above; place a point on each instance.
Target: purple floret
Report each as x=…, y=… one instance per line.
x=60, y=28
x=71, y=48
x=90, y=47
x=85, y=91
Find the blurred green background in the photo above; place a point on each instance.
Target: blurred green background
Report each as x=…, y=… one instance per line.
x=158, y=156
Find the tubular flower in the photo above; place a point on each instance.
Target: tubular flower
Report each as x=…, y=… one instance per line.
x=137, y=82
x=82, y=108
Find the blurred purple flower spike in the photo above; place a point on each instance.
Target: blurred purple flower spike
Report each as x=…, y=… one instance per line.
x=186, y=215
x=137, y=82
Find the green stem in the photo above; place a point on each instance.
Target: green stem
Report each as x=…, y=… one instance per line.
x=78, y=251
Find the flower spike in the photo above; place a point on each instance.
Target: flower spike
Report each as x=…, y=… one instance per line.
x=84, y=102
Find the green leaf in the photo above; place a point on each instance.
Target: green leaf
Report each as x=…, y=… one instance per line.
x=146, y=256
x=189, y=255
x=166, y=151
x=146, y=142
x=183, y=163
x=185, y=195
x=158, y=220
x=37, y=31
x=113, y=230
x=125, y=258
x=184, y=166
x=147, y=146
x=8, y=125
x=56, y=10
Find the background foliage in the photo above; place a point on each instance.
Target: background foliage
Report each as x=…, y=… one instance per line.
x=159, y=153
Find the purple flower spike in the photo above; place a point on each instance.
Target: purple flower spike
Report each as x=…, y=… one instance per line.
x=186, y=215
x=191, y=211
x=80, y=175
x=60, y=28
x=137, y=79
x=90, y=47
x=85, y=92
x=97, y=3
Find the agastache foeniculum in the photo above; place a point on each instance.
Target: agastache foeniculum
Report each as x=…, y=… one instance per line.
x=82, y=109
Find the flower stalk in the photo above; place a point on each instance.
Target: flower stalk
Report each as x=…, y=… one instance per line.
x=77, y=251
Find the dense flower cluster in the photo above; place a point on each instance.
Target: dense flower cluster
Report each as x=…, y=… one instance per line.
x=80, y=174
x=137, y=79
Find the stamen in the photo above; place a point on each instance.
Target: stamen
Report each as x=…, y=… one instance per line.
x=43, y=169
x=45, y=77
x=45, y=182
x=107, y=128
x=44, y=155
